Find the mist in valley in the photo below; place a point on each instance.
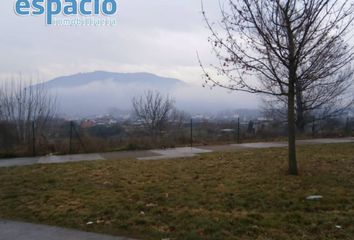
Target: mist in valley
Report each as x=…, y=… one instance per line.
x=104, y=96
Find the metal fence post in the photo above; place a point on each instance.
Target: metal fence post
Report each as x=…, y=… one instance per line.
x=238, y=130
x=33, y=139
x=313, y=127
x=71, y=137
x=191, y=140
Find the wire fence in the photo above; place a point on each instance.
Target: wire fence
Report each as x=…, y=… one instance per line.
x=71, y=137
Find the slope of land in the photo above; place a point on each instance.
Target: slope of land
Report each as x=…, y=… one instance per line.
x=239, y=195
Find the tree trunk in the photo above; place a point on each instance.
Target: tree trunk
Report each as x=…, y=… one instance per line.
x=300, y=120
x=292, y=131
x=293, y=83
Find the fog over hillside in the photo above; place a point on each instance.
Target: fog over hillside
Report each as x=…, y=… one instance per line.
x=98, y=92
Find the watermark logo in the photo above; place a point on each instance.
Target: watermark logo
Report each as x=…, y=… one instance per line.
x=70, y=12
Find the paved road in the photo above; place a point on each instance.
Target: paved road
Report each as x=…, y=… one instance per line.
x=160, y=154
x=10, y=230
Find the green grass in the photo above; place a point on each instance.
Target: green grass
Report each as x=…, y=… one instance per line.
x=243, y=195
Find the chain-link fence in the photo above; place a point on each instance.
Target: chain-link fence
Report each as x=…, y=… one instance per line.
x=71, y=137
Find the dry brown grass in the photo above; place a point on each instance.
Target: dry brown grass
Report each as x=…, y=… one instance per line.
x=243, y=195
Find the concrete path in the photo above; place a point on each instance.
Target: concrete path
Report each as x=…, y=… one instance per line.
x=261, y=145
x=326, y=140
x=49, y=159
x=10, y=230
x=175, y=153
x=159, y=154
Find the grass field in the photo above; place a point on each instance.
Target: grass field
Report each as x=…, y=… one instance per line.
x=243, y=195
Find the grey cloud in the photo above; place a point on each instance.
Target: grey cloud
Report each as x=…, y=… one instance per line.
x=158, y=36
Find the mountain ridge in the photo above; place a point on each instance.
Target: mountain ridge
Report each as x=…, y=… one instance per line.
x=93, y=93
x=81, y=79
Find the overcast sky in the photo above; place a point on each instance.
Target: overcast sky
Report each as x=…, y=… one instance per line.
x=158, y=36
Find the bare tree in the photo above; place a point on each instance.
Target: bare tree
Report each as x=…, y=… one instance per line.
x=24, y=105
x=153, y=111
x=295, y=50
